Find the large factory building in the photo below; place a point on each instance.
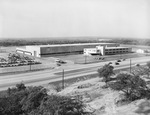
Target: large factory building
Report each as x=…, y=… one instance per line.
x=58, y=49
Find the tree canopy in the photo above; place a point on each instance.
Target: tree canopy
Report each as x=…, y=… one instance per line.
x=133, y=86
x=22, y=100
x=105, y=72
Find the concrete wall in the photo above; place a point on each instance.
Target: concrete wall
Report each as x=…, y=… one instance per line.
x=101, y=49
x=35, y=50
x=30, y=50
x=90, y=51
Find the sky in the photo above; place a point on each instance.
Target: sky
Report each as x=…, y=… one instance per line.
x=74, y=18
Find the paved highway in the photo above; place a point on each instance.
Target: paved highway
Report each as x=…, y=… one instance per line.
x=71, y=71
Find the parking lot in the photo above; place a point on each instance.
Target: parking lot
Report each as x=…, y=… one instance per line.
x=20, y=63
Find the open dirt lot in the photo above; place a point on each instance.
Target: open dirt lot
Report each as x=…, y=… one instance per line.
x=102, y=101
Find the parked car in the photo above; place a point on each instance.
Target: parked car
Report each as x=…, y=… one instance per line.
x=13, y=64
x=23, y=63
x=4, y=65
x=31, y=62
x=37, y=62
x=97, y=58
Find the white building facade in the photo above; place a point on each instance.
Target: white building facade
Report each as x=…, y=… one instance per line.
x=104, y=50
x=59, y=49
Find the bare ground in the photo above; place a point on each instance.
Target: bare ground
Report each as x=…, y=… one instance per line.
x=102, y=101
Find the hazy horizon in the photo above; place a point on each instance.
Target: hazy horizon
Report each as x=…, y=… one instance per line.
x=28, y=19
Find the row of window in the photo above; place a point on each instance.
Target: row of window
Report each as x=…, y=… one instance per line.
x=116, y=52
x=116, y=49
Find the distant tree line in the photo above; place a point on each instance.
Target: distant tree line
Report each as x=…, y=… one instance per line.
x=23, y=42
x=132, y=41
x=40, y=42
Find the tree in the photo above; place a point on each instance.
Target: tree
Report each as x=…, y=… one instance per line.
x=142, y=70
x=20, y=86
x=133, y=86
x=22, y=100
x=33, y=98
x=61, y=105
x=106, y=71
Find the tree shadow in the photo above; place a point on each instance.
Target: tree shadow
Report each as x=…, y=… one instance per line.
x=144, y=108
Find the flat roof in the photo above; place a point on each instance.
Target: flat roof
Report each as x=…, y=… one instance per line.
x=90, y=48
x=115, y=47
x=59, y=45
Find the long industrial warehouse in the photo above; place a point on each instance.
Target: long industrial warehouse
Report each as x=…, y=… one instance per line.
x=42, y=50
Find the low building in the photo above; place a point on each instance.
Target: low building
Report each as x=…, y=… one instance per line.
x=60, y=49
x=143, y=51
x=139, y=51
x=104, y=50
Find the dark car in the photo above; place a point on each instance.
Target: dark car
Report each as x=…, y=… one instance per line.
x=116, y=63
x=63, y=62
x=119, y=60
x=103, y=58
x=58, y=64
x=4, y=65
x=137, y=64
x=110, y=63
x=60, y=61
x=98, y=58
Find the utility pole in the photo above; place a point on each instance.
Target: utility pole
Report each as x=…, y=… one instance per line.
x=30, y=66
x=120, y=56
x=85, y=59
x=63, y=79
x=130, y=65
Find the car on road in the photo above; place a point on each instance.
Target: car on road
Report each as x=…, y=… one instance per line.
x=60, y=61
x=119, y=60
x=58, y=64
x=137, y=64
x=116, y=63
x=103, y=58
x=110, y=63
